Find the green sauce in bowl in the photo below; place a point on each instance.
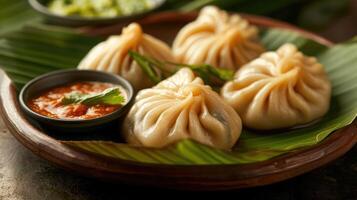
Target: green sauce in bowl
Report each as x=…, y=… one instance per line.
x=99, y=9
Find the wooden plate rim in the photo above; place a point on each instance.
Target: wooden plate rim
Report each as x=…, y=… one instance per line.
x=193, y=177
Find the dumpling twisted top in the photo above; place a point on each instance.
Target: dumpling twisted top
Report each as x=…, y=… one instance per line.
x=112, y=55
x=279, y=89
x=218, y=39
x=181, y=107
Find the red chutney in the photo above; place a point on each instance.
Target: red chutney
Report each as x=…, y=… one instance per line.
x=50, y=102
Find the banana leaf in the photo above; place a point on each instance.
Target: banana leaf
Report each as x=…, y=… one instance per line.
x=16, y=14
x=35, y=50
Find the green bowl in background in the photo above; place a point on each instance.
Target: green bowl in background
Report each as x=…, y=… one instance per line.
x=41, y=7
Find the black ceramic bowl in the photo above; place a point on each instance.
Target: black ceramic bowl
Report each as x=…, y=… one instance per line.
x=62, y=77
x=40, y=6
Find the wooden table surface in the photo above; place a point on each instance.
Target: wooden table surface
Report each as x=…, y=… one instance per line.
x=24, y=176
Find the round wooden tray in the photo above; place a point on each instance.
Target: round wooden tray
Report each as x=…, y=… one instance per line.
x=206, y=177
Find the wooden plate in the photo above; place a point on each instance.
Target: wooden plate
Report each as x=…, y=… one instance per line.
x=207, y=177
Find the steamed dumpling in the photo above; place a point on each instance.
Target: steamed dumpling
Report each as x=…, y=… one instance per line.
x=218, y=39
x=181, y=107
x=112, y=55
x=280, y=89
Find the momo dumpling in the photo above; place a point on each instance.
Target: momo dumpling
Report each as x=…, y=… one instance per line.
x=112, y=55
x=181, y=107
x=218, y=39
x=279, y=89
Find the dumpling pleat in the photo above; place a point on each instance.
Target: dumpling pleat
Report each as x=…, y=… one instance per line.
x=279, y=90
x=112, y=55
x=181, y=107
x=218, y=39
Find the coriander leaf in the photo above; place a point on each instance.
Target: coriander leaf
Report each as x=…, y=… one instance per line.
x=73, y=97
x=223, y=74
x=147, y=65
x=110, y=96
x=206, y=72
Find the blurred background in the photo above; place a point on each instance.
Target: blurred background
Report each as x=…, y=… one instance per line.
x=334, y=19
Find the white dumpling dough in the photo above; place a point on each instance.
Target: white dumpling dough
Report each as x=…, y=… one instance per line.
x=112, y=55
x=181, y=107
x=279, y=89
x=219, y=39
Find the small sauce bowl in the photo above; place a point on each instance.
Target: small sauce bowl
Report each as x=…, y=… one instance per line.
x=63, y=77
x=40, y=7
